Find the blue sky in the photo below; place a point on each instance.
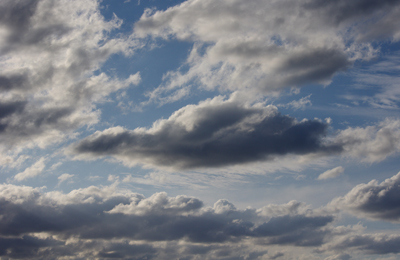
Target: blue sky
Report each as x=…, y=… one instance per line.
x=199, y=129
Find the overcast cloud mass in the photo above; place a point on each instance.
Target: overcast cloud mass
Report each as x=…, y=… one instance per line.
x=199, y=129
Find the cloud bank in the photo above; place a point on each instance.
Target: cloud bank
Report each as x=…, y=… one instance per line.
x=110, y=222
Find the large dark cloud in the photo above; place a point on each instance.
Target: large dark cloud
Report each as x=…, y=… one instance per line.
x=374, y=200
x=214, y=133
x=219, y=132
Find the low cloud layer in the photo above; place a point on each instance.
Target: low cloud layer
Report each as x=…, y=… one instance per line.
x=111, y=222
x=214, y=133
x=39, y=224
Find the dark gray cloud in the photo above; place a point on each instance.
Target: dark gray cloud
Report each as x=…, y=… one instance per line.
x=219, y=132
x=374, y=200
x=214, y=133
x=119, y=225
x=17, y=14
x=25, y=247
x=370, y=20
x=340, y=11
x=7, y=109
x=16, y=81
x=313, y=66
x=22, y=32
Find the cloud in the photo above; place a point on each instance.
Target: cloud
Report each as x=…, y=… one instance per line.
x=339, y=257
x=264, y=47
x=298, y=104
x=382, y=77
x=379, y=244
x=221, y=132
x=377, y=201
x=332, y=173
x=214, y=133
x=32, y=171
x=111, y=222
x=63, y=177
x=372, y=143
x=101, y=221
x=50, y=52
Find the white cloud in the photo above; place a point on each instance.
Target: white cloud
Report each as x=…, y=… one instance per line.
x=299, y=104
x=265, y=46
x=372, y=143
x=332, y=173
x=32, y=171
x=373, y=200
x=63, y=177
x=48, y=85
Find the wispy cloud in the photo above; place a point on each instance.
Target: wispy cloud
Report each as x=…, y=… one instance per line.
x=32, y=171
x=332, y=173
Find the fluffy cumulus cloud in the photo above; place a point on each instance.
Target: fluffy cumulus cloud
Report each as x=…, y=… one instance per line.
x=373, y=200
x=49, y=54
x=372, y=143
x=269, y=45
x=216, y=132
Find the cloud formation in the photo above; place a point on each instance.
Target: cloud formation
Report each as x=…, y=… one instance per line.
x=48, y=85
x=214, y=133
x=110, y=222
x=374, y=200
x=372, y=143
x=32, y=171
x=221, y=132
x=266, y=46
x=36, y=224
x=332, y=173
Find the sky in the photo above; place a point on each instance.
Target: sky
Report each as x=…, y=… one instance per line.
x=200, y=129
